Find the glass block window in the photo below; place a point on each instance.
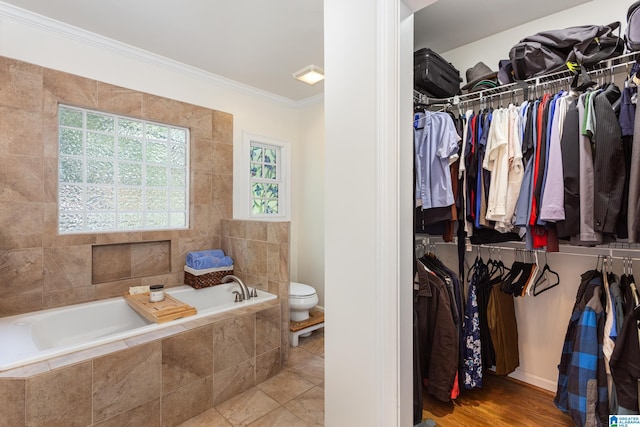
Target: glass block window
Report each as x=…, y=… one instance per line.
x=266, y=179
x=117, y=173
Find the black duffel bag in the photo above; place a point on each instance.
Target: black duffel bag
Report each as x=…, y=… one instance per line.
x=569, y=48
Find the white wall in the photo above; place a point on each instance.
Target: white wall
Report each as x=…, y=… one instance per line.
x=53, y=45
x=492, y=49
x=368, y=237
x=309, y=167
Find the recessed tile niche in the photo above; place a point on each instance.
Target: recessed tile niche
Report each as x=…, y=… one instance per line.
x=129, y=260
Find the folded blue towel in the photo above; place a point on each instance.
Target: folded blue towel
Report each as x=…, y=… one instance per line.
x=192, y=256
x=203, y=263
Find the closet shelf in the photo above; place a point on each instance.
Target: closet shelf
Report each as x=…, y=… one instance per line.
x=615, y=250
x=608, y=65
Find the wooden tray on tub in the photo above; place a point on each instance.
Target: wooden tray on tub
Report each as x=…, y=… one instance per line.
x=161, y=311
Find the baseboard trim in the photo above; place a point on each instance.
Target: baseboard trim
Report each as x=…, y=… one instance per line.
x=534, y=380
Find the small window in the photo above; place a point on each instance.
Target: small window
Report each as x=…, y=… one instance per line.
x=268, y=176
x=118, y=173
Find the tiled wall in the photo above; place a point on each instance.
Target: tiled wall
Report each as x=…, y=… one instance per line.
x=159, y=380
x=40, y=269
x=261, y=259
x=151, y=382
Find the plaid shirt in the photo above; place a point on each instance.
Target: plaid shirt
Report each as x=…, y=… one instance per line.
x=582, y=382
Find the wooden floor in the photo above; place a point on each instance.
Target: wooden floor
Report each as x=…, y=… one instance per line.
x=501, y=402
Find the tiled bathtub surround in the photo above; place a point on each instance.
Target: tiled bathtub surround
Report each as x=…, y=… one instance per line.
x=261, y=258
x=149, y=380
x=41, y=269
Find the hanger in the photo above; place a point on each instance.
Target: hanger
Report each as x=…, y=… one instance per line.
x=528, y=283
x=586, y=81
x=525, y=88
x=514, y=275
x=545, y=277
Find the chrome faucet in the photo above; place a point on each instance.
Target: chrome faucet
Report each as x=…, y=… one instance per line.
x=246, y=294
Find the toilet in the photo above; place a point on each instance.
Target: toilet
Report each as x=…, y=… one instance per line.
x=302, y=298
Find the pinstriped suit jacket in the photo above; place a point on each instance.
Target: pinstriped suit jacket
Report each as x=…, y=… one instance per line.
x=609, y=165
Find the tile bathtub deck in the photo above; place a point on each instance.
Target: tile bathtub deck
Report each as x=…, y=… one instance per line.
x=293, y=398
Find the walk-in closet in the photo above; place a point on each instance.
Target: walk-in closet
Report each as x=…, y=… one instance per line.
x=527, y=233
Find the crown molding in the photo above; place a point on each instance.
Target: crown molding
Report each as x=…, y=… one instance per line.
x=40, y=22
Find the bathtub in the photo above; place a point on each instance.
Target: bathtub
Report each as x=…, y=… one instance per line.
x=32, y=337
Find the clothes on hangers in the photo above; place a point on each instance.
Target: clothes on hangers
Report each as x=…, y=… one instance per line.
x=582, y=382
x=625, y=359
x=436, y=147
x=552, y=167
x=438, y=333
x=436, y=138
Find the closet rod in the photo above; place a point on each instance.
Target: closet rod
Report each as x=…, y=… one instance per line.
x=607, y=65
x=616, y=252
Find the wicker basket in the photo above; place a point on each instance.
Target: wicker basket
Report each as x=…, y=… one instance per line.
x=204, y=278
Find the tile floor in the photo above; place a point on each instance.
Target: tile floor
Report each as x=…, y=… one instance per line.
x=293, y=398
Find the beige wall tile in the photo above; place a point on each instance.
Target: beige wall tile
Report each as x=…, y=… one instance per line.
x=20, y=272
x=126, y=379
x=119, y=100
x=202, y=188
x=257, y=230
x=66, y=267
x=222, y=127
x=69, y=296
x=234, y=341
x=234, y=380
x=278, y=232
x=12, y=396
x=50, y=180
x=187, y=402
x=238, y=229
x=237, y=250
x=222, y=188
x=70, y=89
x=267, y=330
x=29, y=164
x=201, y=154
x=20, y=304
x=274, y=264
x=150, y=258
x=115, y=289
x=21, y=85
x=201, y=217
x=20, y=131
x=223, y=158
x=199, y=119
x=162, y=109
x=22, y=225
x=257, y=258
x=61, y=397
x=186, y=358
x=110, y=263
x=21, y=179
x=268, y=364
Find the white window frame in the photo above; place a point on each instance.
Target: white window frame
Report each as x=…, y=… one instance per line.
x=84, y=158
x=284, y=164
